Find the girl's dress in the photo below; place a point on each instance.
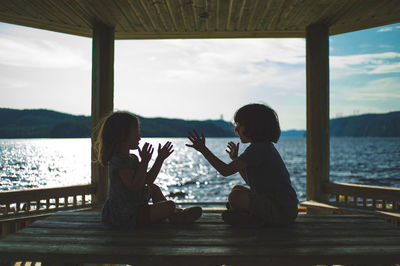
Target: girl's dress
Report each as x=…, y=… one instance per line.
x=119, y=210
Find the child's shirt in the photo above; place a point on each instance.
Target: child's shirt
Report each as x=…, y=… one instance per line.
x=119, y=210
x=267, y=173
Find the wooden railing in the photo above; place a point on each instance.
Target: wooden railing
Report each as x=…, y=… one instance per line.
x=19, y=208
x=43, y=200
x=354, y=198
x=368, y=197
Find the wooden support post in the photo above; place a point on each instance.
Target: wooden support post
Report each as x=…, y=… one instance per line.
x=317, y=60
x=102, y=97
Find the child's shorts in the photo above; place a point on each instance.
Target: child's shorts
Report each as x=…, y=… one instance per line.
x=266, y=210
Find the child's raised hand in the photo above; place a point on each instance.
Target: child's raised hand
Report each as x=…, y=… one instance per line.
x=165, y=151
x=146, y=152
x=232, y=150
x=199, y=143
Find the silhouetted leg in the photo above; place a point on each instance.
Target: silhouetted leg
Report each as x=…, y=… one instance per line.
x=240, y=187
x=148, y=214
x=239, y=199
x=156, y=193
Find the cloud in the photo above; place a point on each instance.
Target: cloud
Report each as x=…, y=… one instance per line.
x=388, y=68
x=376, y=96
x=385, y=29
x=206, y=78
x=380, y=63
x=20, y=46
x=388, y=28
x=241, y=60
x=374, y=90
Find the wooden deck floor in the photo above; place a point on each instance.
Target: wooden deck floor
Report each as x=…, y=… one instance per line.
x=79, y=237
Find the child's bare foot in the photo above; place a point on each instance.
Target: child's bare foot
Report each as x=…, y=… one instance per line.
x=188, y=215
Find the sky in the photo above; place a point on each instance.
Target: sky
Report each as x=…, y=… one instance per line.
x=200, y=79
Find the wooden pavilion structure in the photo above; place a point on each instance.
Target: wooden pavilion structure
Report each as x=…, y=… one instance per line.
x=108, y=20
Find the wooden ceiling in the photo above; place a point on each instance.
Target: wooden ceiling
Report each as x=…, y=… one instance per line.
x=157, y=19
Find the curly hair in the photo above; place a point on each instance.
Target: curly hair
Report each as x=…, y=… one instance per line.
x=260, y=122
x=114, y=129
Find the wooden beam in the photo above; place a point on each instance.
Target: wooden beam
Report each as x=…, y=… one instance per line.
x=317, y=59
x=102, y=98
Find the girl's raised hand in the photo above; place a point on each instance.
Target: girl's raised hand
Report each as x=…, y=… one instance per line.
x=146, y=152
x=165, y=151
x=198, y=143
x=232, y=150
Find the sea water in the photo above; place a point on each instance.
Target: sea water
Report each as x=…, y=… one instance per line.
x=186, y=175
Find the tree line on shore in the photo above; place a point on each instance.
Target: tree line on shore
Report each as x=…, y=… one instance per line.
x=42, y=123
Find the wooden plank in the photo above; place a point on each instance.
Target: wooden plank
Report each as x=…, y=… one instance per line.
x=207, y=219
x=161, y=8
x=345, y=223
x=151, y=14
x=317, y=68
x=277, y=18
x=119, y=20
x=160, y=232
x=174, y=7
x=231, y=241
x=222, y=230
x=48, y=11
x=200, y=255
x=139, y=15
x=235, y=13
x=314, y=239
x=198, y=230
x=215, y=218
x=196, y=18
x=135, y=22
x=240, y=16
x=73, y=12
x=212, y=20
x=186, y=8
x=248, y=11
x=209, y=34
x=309, y=226
x=78, y=17
x=262, y=10
x=264, y=16
x=299, y=226
x=295, y=19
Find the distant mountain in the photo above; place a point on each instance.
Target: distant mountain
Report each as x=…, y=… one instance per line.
x=293, y=133
x=367, y=125
x=42, y=124
x=164, y=127
x=50, y=124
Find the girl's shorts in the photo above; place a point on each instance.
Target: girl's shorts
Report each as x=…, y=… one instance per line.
x=266, y=210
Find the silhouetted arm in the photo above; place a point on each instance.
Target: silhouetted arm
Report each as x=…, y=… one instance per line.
x=224, y=169
x=135, y=179
x=233, y=150
x=163, y=153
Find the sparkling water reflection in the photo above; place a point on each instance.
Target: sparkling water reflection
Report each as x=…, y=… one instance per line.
x=187, y=176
